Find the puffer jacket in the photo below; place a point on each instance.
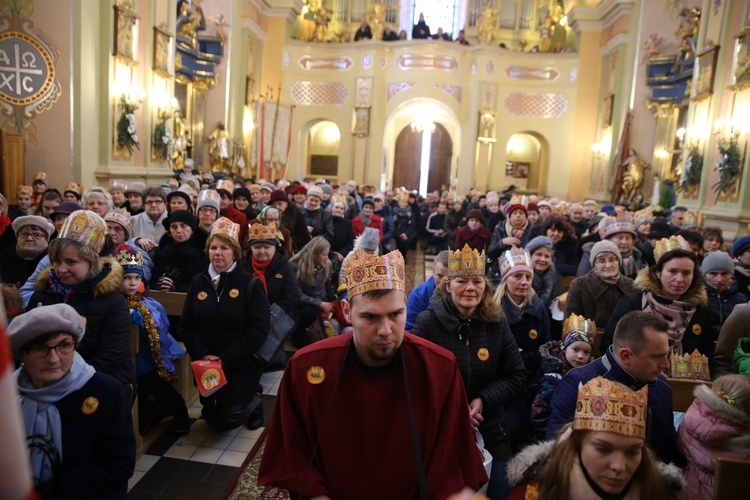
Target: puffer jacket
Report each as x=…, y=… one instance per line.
x=488, y=359
x=548, y=285
x=720, y=306
x=712, y=428
x=741, y=359
x=106, y=343
x=531, y=330
x=554, y=366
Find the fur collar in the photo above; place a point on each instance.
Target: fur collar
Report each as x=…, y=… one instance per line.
x=109, y=279
x=551, y=353
x=720, y=406
x=645, y=283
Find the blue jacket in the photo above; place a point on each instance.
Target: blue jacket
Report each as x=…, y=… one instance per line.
x=660, y=432
x=170, y=349
x=419, y=300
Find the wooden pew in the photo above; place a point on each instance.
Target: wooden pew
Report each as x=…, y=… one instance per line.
x=682, y=392
x=730, y=478
x=566, y=281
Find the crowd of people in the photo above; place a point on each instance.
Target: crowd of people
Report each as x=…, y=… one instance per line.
x=420, y=31
x=495, y=343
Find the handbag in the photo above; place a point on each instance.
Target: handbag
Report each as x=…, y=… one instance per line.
x=486, y=459
x=282, y=326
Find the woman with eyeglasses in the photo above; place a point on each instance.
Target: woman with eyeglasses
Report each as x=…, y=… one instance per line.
x=77, y=419
x=271, y=215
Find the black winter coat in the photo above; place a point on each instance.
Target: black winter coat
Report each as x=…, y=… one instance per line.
x=179, y=261
x=343, y=236
x=321, y=222
x=720, y=306
x=106, y=343
x=548, y=285
x=488, y=360
x=530, y=329
x=282, y=284
x=14, y=269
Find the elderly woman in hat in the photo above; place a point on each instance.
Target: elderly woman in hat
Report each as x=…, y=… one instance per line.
x=291, y=218
x=226, y=318
x=270, y=264
x=272, y=215
x=318, y=220
x=673, y=290
x=620, y=232
x=180, y=254
x=602, y=454
x=77, y=419
x=474, y=233
x=515, y=231
x=19, y=262
x=90, y=284
x=464, y=318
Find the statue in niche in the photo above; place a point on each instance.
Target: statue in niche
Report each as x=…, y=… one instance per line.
x=219, y=146
x=191, y=21
x=547, y=31
x=486, y=24
x=633, y=176
x=376, y=19
x=322, y=18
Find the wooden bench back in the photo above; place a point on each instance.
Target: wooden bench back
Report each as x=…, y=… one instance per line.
x=173, y=302
x=730, y=478
x=682, y=392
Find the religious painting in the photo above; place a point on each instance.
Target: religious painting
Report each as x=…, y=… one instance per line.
x=741, y=69
x=162, y=46
x=607, y=107
x=509, y=168
x=361, y=121
x=521, y=170
x=486, y=126
x=126, y=22
x=706, y=68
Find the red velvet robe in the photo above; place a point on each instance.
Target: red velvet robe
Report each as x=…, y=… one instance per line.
x=366, y=449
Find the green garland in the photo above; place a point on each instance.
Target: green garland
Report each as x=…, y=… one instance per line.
x=728, y=165
x=163, y=142
x=692, y=171
x=126, y=137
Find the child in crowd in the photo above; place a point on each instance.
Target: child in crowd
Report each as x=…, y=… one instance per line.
x=557, y=359
x=157, y=350
x=717, y=424
x=741, y=254
x=723, y=291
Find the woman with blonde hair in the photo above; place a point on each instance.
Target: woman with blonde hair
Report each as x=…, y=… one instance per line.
x=464, y=318
x=717, y=424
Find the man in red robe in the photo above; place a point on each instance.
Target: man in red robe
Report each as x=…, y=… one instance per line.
x=355, y=393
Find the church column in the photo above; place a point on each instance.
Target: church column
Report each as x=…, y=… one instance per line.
x=361, y=133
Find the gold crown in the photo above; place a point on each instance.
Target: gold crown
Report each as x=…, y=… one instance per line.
x=518, y=199
x=118, y=184
x=514, y=257
x=227, y=228
x=642, y=216
x=365, y=272
x=608, y=406
x=260, y=232
x=126, y=258
x=576, y=323
x=73, y=187
x=466, y=262
x=623, y=223
x=40, y=176
x=690, y=366
x=27, y=190
x=226, y=185
x=84, y=226
x=665, y=245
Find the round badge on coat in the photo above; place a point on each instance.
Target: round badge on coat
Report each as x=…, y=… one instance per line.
x=533, y=334
x=202, y=295
x=697, y=329
x=234, y=293
x=483, y=354
x=90, y=405
x=316, y=375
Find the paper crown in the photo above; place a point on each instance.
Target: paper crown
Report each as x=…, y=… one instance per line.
x=642, y=216
x=576, y=323
x=665, y=245
x=119, y=216
x=690, y=366
x=73, y=187
x=365, y=272
x=118, y=184
x=209, y=197
x=225, y=185
x=466, y=262
x=260, y=232
x=22, y=189
x=130, y=261
x=516, y=202
x=515, y=257
x=84, y=226
x=40, y=176
x=562, y=208
x=606, y=406
x=692, y=220
x=226, y=227
x=623, y=223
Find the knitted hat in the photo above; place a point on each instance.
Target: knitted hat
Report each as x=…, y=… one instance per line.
x=180, y=194
x=41, y=321
x=368, y=201
x=604, y=246
x=514, y=261
x=243, y=192
x=278, y=195
x=379, y=196
x=120, y=217
x=369, y=239
x=41, y=177
x=608, y=209
x=327, y=189
x=208, y=198
x=34, y=220
x=578, y=336
x=315, y=191
x=595, y=221
x=181, y=216
x=475, y=214
x=578, y=329
x=642, y=217
x=537, y=243
x=299, y=190
x=660, y=230
x=66, y=207
x=135, y=188
x=740, y=246
x=267, y=186
x=717, y=261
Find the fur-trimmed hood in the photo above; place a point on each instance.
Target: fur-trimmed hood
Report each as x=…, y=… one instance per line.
x=553, y=359
x=719, y=405
x=644, y=282
x=108, y=280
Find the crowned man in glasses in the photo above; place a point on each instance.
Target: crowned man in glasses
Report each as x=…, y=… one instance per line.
x=376, y=403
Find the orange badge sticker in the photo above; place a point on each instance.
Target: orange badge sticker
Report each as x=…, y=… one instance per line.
x=234, y=293
x=279, y=276
x=202, y=296
x=483, y=354
x=533, y=334
x=85, y=320
x=697, y=329
x=90, y=405
x=316, y=375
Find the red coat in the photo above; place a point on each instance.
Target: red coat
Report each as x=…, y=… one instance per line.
x=240, y=218
x=478, y=241
x=359, y=228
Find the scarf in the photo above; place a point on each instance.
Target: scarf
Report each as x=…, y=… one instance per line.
x=57, y=287
x=609, y=281
x=259, y=270
x=40, y=415
x=5, y=223
x=134, y=301
x=676, y=313
x=629, y=265
x=216, y=275
x=366, y=219
x=402, y=212
x=516, y=233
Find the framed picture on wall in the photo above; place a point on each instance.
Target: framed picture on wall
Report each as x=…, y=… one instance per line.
x=521, y=170
x=607, y=106
x=126, y=22
x=741, y=68
x=706, y=69
x=509, y=168
x=162, y=50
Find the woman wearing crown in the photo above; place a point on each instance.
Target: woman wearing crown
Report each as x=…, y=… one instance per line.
x=464, y=318
x=673, y=290
x=226, y=318
x=602, y=454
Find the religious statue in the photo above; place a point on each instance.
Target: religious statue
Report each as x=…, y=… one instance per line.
x=486, y=126
x=486, y=24
x=547, y=30
x=651, y=47
x=179, y=143
x=376, y=19
x=190, y=22
x=633, y=177
x=219, y=24
x=688, y=31
x=219, y=146
x=322, y=18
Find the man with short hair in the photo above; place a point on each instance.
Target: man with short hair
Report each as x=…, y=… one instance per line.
x=638, y=356
x=375, y=399
x=148, y=228
x=676, y=219
x=419, y=298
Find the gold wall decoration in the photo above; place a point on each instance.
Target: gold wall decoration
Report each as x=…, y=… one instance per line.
x=607, y=108
x=741, y=66
x=706, y=69
x=486, y=127
x=361, y=121
x=126, y=24
x=162, y=50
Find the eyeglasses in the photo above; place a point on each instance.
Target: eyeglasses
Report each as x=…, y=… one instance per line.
x=154, y=202
x=35, y=236
x=42, y=351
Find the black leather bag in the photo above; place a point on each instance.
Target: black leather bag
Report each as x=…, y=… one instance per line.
x=272, y=349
